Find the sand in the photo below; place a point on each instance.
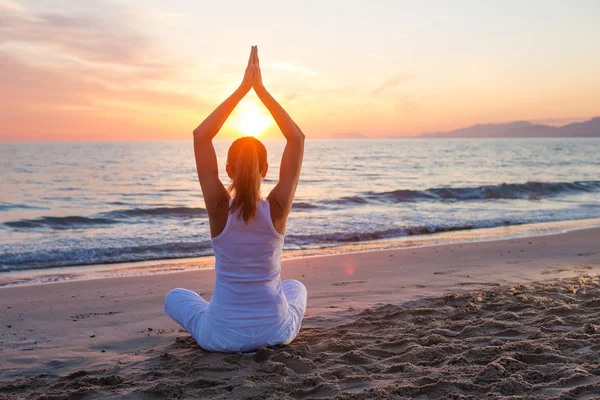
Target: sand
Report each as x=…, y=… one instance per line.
x=490, y=320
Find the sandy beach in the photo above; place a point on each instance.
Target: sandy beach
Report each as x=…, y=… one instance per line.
x=494, y=319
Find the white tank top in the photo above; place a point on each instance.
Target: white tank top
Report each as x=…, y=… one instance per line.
x=248, y=289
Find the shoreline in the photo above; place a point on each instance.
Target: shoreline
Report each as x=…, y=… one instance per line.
x=175, y=265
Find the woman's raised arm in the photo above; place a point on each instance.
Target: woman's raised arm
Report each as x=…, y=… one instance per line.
x=206, y=159
x=282, y=195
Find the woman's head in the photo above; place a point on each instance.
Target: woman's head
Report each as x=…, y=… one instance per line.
x=246, y=166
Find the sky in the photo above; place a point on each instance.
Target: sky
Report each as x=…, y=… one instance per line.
x=153, y=70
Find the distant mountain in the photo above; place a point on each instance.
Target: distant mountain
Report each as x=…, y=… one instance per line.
x=522, y=129
x=349, y=135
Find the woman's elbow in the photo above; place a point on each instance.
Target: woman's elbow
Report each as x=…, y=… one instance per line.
x=299, y=135
x=200, y=135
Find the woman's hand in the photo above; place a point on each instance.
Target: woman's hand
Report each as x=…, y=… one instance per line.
x=252, y=77
x=248, y=81
x=257, y=82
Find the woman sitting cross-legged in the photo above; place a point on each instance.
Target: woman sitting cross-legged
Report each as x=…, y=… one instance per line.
x=251, y=307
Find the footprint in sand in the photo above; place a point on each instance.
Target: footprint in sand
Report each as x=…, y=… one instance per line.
x=92, y=315
x=477, y=284
x=346, y=283
x=556, y=271
x=448, y=272
x=149, y=331
x=296, y=363
x=580, y=269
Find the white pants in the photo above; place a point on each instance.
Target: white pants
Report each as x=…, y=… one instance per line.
x=188, y=309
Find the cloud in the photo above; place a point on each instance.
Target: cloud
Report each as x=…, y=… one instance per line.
x=28, y=87
x=39, y=104
x=391, y=84
x=6, y=5
x=294, y=95
x=84, y=37
x=66, y=75
x=293, y=67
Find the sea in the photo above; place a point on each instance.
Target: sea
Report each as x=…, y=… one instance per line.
x=74, y=204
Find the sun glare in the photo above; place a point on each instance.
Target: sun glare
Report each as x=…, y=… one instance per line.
x=250, y=120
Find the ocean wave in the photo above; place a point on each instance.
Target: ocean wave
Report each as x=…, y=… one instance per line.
x=117, y=216
x=168, y=190
x=107, y=255
x=303, y=206
x=350, y=237
x=77, y=255
x=59, y=223
x=509, y=191
x=12, y=206
x=168, y=212
x=104, y=219
x=169, y=250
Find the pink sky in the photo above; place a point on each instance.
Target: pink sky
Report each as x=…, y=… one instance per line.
x=152, y=70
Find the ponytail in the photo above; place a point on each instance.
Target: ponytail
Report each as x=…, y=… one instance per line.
x=246, y=177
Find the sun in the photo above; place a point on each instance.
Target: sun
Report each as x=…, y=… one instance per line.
x=250, y=119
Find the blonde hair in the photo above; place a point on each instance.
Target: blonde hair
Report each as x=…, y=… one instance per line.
x=246, y=157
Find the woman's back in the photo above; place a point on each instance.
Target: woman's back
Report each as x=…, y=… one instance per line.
x=248, y=288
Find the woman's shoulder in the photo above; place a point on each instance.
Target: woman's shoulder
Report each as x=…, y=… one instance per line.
x=276, y=216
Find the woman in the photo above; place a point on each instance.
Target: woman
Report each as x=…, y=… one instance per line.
x=250, y=307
